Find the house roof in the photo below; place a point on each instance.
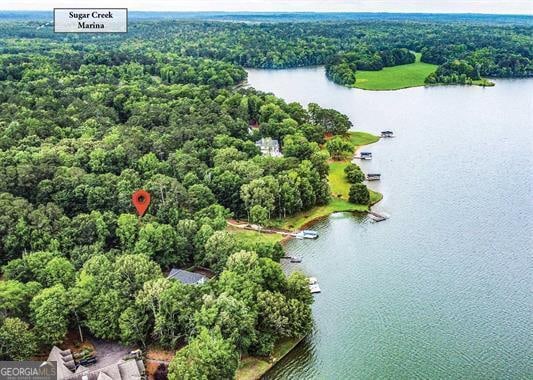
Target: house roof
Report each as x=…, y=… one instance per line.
x=131, y=368
x=186, y=277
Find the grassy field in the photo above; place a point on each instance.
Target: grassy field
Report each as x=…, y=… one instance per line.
x=335, y=205
x=362, y=138
x=247, y=236
x=340, y=188
x=252, y=368
x=395, y=78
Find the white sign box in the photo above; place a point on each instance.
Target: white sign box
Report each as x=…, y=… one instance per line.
x=90, y=20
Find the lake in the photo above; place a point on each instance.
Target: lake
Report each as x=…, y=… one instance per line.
x=443, y=288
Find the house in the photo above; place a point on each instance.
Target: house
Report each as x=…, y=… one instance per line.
x=189, y=278
x=269, y=147
x=130, y=367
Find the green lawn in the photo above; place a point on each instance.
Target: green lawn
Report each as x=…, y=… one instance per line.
x=339, y=190
x=396, y=77
x=362, y=138
x=247, y=236
x=296, y=221
x=337, y=181
x=339, y=186
x=252, y=367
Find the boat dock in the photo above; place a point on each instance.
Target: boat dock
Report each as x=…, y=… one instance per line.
x=364, y=156
x=313, y=285
x=377, y=217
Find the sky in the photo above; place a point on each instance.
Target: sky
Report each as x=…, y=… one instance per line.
x=416, y=6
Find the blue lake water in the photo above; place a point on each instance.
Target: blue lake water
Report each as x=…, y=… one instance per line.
x=441, y=290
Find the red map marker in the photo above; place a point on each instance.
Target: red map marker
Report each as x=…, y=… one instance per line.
x=141, y=201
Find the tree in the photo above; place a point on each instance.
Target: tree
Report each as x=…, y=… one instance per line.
x=127, y=231
x=231, y=316
x=102, y=315
x=58, y=271
x=200, y=196
x=331, y=120
x=272, y=315
x=217, y=250
x=262, y=191
x=176, y=305
x=17, y=341
x=207, y=357
x=134, y=326
x=298, y=146
x=298, y=288
x=339, y=148
x=16, y=297
x=159, y=241
x=353, y=173
x=49, y=313
x=300, y=318
x=359, y=194
x=259, y=215
x=131, y=272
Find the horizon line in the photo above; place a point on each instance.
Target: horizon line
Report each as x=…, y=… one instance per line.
x=279, y=12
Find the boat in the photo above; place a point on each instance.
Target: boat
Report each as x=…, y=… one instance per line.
x=373, y=177
x=296, y=260
x=313, y=285
x=310, y=234
x=386, y=134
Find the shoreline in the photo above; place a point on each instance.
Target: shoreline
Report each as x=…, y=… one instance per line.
x=255, y=367
x=489, y=83
x=352, y=208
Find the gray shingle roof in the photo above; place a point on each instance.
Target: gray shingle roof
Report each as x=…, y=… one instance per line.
x=124, y=369
x=187, y=277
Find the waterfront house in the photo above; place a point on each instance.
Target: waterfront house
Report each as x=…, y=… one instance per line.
x=269, y=147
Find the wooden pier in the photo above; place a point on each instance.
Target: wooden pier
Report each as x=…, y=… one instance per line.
x=377, y=217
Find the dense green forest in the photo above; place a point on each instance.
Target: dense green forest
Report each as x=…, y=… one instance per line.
x=87, y=120
x=82, y=126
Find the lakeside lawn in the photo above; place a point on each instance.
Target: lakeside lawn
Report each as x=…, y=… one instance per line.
x=338, y=203
x=362, y=138
x=339, y=189
x=253, y=367
x=248, y=236
x=337, y=180
x=396, y=77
